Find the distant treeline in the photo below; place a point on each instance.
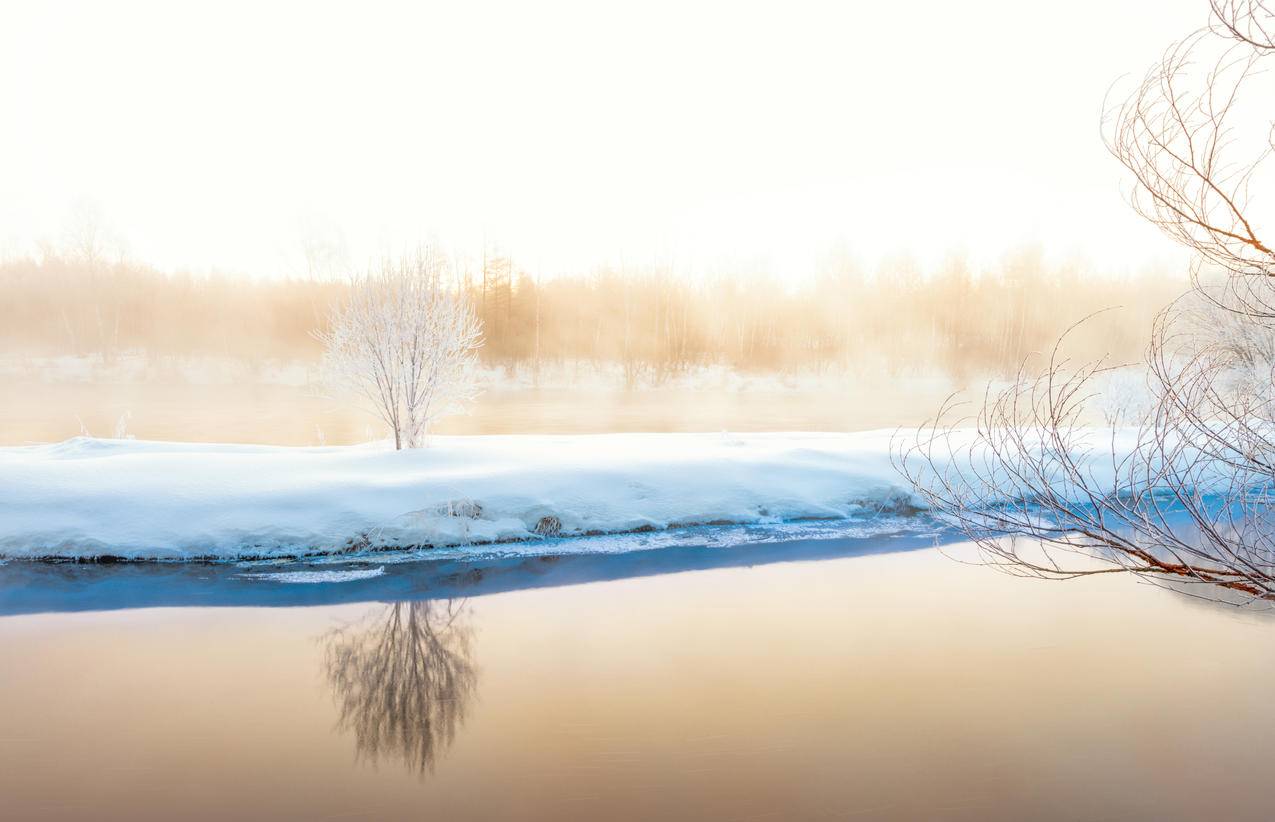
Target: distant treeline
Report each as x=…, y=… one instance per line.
x=896, y=318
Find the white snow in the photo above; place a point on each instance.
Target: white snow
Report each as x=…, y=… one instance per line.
x=318, y=577
x=160, y=500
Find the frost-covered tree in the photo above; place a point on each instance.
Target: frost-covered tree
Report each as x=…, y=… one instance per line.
x=405, y=341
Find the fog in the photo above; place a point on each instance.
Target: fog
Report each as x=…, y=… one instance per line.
x=576, y=134
x=673, y=216
x=90, y=345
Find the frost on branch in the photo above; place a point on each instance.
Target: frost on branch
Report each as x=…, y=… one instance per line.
x=405, y=342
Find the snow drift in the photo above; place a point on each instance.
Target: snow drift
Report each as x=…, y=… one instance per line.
x=88, y=498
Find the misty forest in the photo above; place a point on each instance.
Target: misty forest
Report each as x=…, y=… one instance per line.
x=648, y=324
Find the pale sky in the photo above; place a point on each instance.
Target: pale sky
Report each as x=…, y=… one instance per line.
x=576, y=133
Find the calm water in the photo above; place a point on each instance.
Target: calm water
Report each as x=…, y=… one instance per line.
x=296, y=415
x=896, y=685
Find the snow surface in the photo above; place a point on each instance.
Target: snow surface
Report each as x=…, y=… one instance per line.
x=86, y=498
x=159, y=500
x=318, y=577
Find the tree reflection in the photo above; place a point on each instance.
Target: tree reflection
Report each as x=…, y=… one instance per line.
x=403, y=679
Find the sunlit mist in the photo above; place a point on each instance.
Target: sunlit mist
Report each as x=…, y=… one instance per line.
x=687, y=135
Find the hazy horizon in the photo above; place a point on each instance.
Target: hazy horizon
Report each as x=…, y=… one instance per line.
x=691, y=136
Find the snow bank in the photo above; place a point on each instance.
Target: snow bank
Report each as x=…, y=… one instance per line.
x=158, y=500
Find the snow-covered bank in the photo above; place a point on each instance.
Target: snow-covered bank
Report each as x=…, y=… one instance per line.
x=157, y=500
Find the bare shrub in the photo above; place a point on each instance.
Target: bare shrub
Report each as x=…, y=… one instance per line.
x=1183, y=496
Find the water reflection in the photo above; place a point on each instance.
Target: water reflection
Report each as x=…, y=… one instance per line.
x=403, y=678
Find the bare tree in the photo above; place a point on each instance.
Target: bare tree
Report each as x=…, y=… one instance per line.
x=323, y=250
x=405, y=341
x=1194, y=136
x=1183, y=497
x=85, y=235
x=1251, y=22
x=89, y=241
